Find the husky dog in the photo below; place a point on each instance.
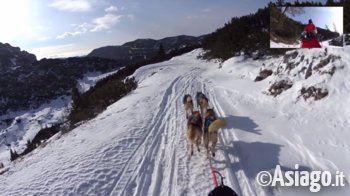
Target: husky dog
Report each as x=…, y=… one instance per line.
x=188, y=104
x=202, y=102
x=212, y=124
x=194, y=130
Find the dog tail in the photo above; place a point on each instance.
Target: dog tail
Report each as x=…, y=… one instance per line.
x=216, y=125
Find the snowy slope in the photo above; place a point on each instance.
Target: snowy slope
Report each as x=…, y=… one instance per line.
x=274, y=44
x=26, y=124
x=138, y=145
x=90, y=79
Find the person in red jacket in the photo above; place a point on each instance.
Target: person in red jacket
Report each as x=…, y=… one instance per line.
x=310, y=30
x=309, y=38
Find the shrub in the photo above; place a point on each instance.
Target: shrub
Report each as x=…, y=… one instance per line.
x=316, y=93
x=263, y=74
x=280, y=86
x=13, y=155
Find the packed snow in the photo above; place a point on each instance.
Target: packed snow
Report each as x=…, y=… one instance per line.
x=90, y=79
x=138, y=146
x=274, y=44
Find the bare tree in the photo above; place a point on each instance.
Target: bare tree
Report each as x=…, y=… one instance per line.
x=327, y=27
x=285, y=7
x=280, y=3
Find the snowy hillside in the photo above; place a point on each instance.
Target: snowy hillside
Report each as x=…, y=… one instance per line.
x=24, y=125
x=90, y=79
x=138, y=145
x=282, y=45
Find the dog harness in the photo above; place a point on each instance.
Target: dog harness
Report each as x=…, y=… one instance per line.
x=195, y=120
x=208, y=121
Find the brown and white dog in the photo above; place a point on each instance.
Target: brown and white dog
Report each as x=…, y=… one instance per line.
x=212, y=124
x=202, y=102
x=188, y=104
x=194, y=130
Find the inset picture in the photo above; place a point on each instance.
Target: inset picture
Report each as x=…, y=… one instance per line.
x=306, y=27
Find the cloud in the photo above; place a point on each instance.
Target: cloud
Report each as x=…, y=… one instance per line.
x=58, y=51
x=66, y=34
x=111, y=9
x=79, y=29
x=130, y=16
x=105, y=22
x=72, y=5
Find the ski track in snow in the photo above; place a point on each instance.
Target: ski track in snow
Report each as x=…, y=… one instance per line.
x=138, y=146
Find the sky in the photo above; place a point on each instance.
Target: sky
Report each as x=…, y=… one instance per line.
x=61, y=28
x=322, y=16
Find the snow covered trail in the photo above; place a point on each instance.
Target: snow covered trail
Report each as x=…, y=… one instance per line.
x=138, y=145
x=162, y=156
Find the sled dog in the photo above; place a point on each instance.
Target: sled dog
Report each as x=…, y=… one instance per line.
x=188, y=104
x=212, y=124
x=202, y=102
x=194, y=130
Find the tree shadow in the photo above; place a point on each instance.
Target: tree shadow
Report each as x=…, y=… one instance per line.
x=243, y=123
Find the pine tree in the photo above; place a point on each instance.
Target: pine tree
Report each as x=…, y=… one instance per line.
x=346, y=5
x=330, y=2
x=280, y=2
x=161, y=51
x=13, y=155
x=75, y=94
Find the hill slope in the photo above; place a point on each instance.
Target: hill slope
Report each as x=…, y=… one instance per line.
x=144, y=49
x=27, y=83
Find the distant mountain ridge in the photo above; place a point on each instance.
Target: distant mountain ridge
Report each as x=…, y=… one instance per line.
x=143, y=49
x=28, y=83
x=14, y=57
